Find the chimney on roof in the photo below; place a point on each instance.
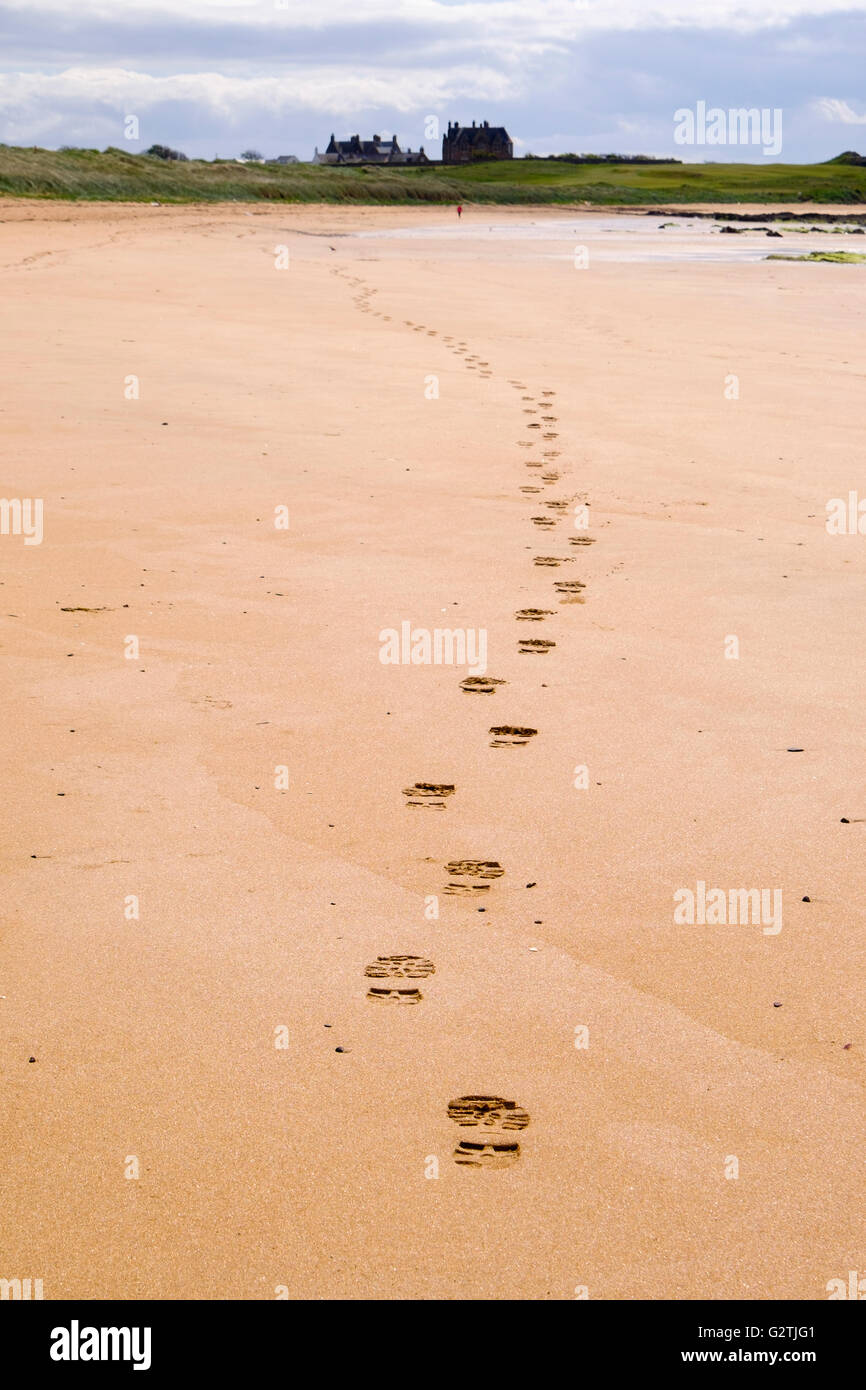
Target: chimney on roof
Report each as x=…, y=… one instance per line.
x=473, y=125
x=376, y=139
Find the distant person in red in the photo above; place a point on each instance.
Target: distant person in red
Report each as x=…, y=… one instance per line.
x=459, y=210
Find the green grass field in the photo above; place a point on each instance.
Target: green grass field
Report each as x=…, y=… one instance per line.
x=114, y=175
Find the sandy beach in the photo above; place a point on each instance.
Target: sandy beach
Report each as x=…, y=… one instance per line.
x=265, y=436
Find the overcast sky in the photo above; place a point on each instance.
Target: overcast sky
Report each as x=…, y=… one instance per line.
x=213, y=77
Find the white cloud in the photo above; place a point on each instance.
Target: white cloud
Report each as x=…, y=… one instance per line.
x=554, y=19
x=832, y=109
x=24, y=96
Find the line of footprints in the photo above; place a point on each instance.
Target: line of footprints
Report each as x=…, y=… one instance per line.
x=494, y=1121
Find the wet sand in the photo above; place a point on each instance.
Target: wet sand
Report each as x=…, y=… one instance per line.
x=242, y=777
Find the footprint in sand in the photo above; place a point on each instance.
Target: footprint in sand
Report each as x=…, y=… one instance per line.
x=582, y=540
x=510, y=736
x=428, y=794
x=568, y=586
x=478, y=872
x=548, y=435
x=548, y=393
x=556, y=504
x=480, y=685
x=392, y=968
x=544, y=522
x=534, y=646
x=533, y=615
x=552, y=561
x=532, y=425
x=494, y=1122
x=530, y=489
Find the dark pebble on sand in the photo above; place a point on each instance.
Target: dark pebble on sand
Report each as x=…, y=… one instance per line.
x=340, y=1049
x=31, y=1059
x=844, y=821
x=806, y=900
x=777, y=1004
x=530, y=885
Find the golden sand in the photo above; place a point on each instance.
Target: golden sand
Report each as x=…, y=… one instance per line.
x=237, y=775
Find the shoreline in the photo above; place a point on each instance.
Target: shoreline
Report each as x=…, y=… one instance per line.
x=784, y=211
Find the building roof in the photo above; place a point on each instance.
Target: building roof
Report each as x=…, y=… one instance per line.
x=375, y=151
x=367, y=149
x=470, y=134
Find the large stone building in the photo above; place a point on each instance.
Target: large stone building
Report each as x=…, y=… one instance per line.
x=463, y=143
x=375, y=151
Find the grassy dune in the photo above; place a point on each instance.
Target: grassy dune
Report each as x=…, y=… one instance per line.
x=114, y=175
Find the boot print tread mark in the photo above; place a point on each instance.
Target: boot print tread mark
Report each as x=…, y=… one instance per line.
x=428, y=793
x=510, y=736
x=494, y=1122
x=392, y=969
x=539, y=646
x=480, y=685
x=478, y=871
